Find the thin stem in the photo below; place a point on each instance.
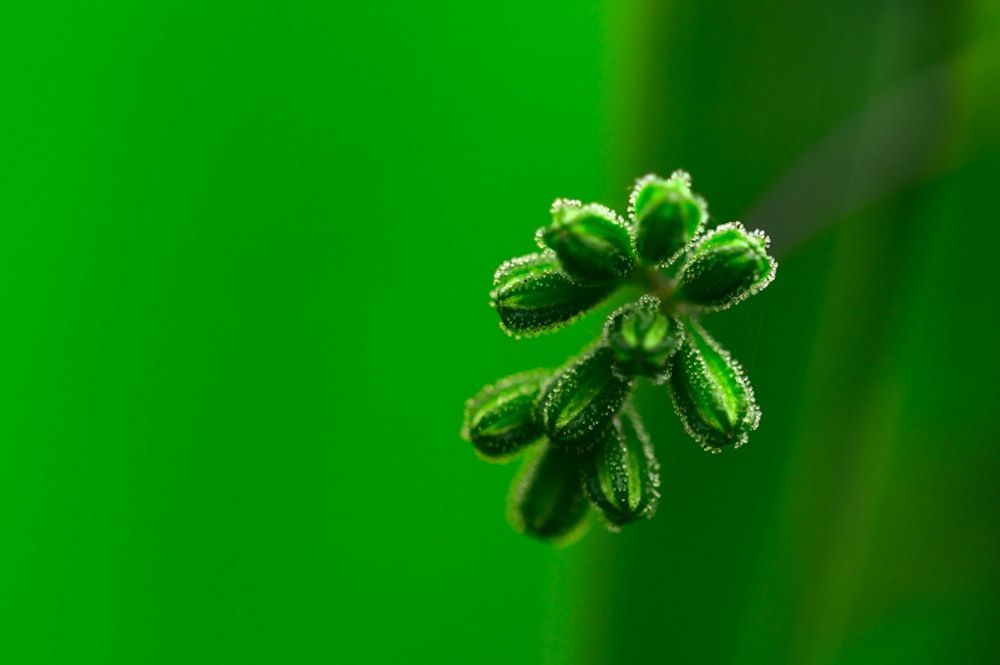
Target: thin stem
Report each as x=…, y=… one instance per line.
x=655, y=282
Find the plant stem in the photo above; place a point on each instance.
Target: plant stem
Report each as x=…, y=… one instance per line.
x=656, y=282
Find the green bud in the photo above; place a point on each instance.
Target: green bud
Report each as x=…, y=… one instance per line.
x=532, y=295
x=499, y=420
x=726, y=266
x=622, y=477
x=582, y=399
x=666, y=216
x=643, y=338
x=546, y=498
x=711, y=392
x=591, y=241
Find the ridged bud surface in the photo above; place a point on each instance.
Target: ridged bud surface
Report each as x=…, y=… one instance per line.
x=591, y=242
x=622, y=477
x=500, y=419
x=727, y=265
x=711, y=393
x=546, y=499
x=666, y=214
x=581, y=400
x=533, y=295
x=642, y=338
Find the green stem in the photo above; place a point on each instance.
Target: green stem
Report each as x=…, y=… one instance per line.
x=655, y=282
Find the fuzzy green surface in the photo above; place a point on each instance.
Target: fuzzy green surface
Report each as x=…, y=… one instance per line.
x=590, y=247
x=532, y=294
x=546, y=498
x=724, y=269
x=582, y=398
x=711, y=393
x=500, y=419
x=642, y=338
x=621, y=476
x=666, y=218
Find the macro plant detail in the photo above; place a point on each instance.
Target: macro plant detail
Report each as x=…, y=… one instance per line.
x=584, y=443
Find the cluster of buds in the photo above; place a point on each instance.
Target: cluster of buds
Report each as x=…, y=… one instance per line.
x=586, y=445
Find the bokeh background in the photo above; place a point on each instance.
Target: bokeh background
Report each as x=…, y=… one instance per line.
x=245, y=250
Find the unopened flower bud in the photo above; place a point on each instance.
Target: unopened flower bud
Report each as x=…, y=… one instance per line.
x=711, y=392
x=621, y=478
x=533, y=295
x=581, y=400
x=591, y=242
x=643, y=338
x=546, y=499
x=500, y=420
x=667, y=215
x=726, y=266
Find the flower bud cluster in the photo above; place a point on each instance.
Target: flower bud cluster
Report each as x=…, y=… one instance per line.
x=586, y=447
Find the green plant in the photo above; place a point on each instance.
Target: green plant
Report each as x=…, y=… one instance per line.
x=591, y=448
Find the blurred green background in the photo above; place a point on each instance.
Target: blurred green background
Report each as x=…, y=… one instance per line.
x=245, y=250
